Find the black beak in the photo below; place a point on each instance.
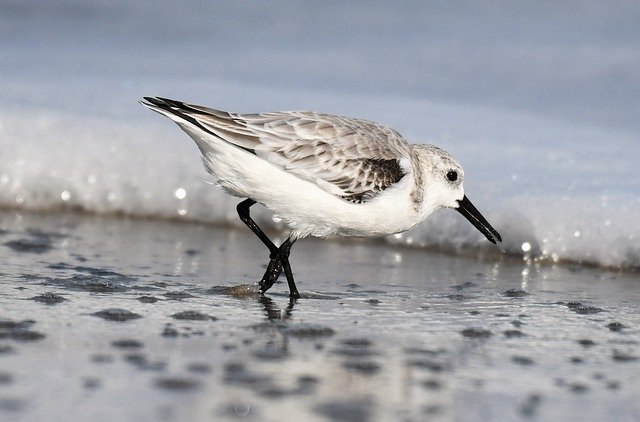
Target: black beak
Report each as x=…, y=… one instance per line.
x=466, y=208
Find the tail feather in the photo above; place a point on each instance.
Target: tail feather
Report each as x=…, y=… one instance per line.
x=172, y=109
x=201, y=118
x=218, y=146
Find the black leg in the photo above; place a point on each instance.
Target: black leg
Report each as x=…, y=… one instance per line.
x=278, y=257
x=285, y=249
x=275, y=266
x=243, y=212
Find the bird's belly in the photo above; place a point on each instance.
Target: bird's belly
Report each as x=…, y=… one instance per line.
x=374, y=219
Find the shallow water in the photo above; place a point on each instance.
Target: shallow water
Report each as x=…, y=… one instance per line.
x=143, y=320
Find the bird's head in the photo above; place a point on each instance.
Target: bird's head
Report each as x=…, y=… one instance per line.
x=442, y=184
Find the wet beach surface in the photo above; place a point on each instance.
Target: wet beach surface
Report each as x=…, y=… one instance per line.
x=118, y=319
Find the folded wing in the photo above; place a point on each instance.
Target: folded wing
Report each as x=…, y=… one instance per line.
x=353, y=159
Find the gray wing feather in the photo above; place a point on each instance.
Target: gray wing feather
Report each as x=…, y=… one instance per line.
x=351, y=158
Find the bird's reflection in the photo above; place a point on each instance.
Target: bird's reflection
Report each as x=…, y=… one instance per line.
x=273, y=312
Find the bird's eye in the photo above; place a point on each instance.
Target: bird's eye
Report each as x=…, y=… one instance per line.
x=452, y=175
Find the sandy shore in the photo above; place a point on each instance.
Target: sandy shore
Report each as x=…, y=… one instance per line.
x=111, y=319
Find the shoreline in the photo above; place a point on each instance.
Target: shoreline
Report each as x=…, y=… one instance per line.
x=481, y=251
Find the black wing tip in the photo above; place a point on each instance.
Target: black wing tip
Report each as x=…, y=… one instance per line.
x=160, y=102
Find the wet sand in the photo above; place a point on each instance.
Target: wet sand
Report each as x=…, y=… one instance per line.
x=116, y=319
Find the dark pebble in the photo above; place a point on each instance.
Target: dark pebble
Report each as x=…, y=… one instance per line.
x=476, y=333
x=90, y=283
x=515, y=293
x=306, y=383
x=362, y=367
x=424, y=352
x=127, y=344
x=356, y=342
x=12, y=405
x=577, y=387
x=169, y=332
x=274, y=392
x=270, y=354
x=347, y=410
x=576, y=359
x=623, y=357
x=18, y=330
x=21, y=335
x=464, y=285
x=513, y=333
x=148, y=299
x=373, y=301
x=116, y=314
x=49, y=298
x=613, y=385
x=522, y=360
x=101, y=358
x=177, y=384
x=141, y=362
x=426, y=364
x=7, y=324
x=237, y=373
x=36, y=245
x=5, y=349
x=91, y=383
x=354, y=351
x=193, y=316
x=586, y=342
x=5, y=378
x=432, y=384
x=587, y=310
x=615, y=326
x=530, y=406
x=177, y=295
x=309, y=331
x=199, y=368
x=581, y=309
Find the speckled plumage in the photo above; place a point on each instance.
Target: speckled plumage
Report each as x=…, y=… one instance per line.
x=351, y=158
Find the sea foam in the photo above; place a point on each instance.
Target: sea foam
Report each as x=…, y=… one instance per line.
x=554, y=191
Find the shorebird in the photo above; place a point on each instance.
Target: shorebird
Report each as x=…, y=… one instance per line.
x=323, y=175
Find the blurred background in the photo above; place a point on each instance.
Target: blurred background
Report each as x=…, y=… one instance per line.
x=540, y=101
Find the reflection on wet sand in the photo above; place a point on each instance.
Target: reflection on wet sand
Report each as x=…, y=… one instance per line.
x=111, y=311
